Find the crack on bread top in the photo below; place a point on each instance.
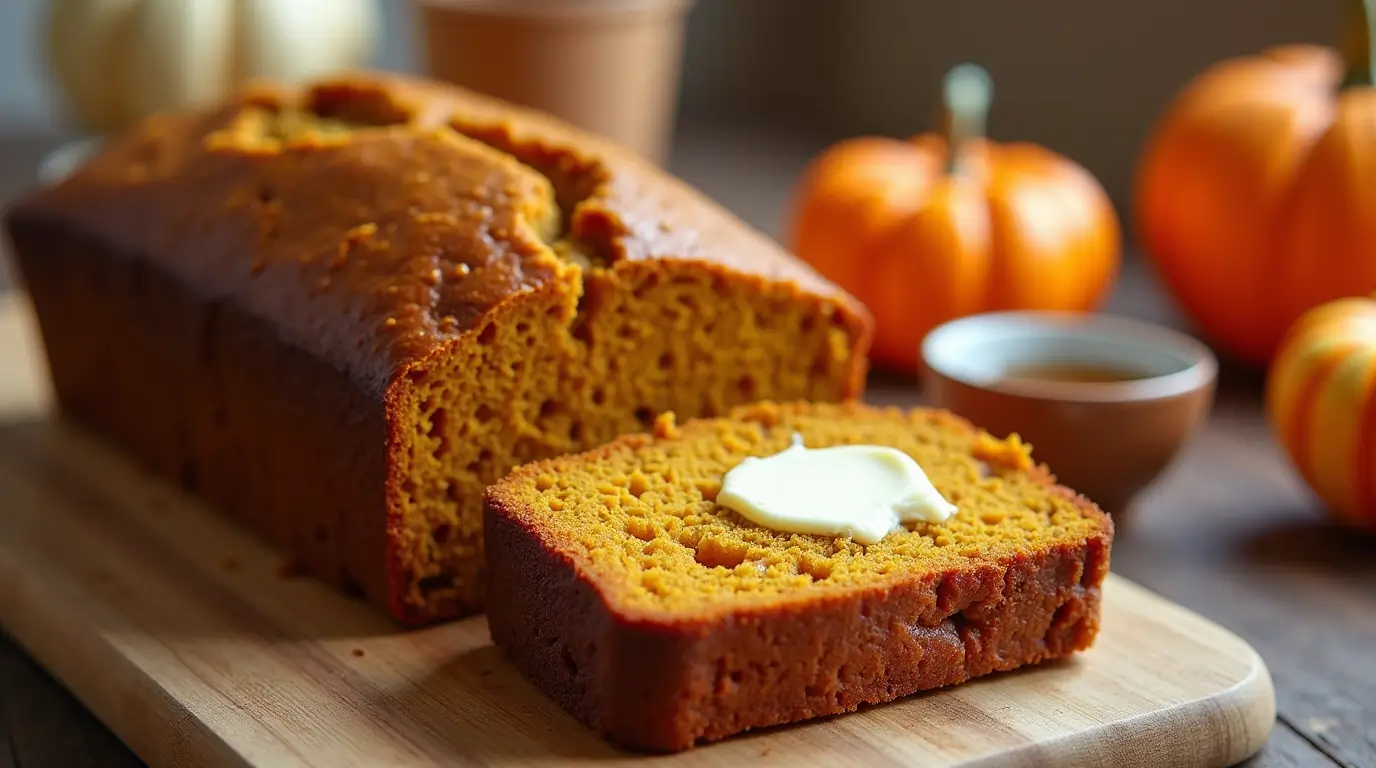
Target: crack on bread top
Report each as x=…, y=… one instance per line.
x=587, y=235
x=335, y=114
x=549, y=189
x=284, y=181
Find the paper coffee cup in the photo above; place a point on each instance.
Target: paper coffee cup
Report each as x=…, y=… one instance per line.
x=608, y=66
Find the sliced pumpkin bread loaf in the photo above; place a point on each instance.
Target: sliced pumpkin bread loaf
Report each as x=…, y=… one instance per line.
x=338, y=311
x=662, y=619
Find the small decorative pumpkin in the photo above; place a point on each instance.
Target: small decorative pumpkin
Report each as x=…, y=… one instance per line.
x=1321, y=399
x=119, y=60
x=1256, y=196
x=944, y=225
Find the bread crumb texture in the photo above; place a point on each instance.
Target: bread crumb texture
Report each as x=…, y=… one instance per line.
x=639, y=514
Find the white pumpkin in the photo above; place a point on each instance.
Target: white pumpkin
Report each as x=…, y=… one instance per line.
x=119, y=60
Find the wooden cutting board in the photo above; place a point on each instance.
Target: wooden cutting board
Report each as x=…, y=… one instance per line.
x=181, y=633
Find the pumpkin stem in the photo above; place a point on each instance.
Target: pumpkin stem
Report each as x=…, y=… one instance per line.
x=967, y=92
x=1359, y=37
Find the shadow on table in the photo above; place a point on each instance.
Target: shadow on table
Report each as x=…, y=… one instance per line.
x=1237, y=380
x=478, y=705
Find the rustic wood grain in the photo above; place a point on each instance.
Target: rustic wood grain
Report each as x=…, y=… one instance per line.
x=1287, y=749
x=179, y=631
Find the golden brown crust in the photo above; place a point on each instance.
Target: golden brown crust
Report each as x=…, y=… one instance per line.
x=662, y=681
x=375, y=242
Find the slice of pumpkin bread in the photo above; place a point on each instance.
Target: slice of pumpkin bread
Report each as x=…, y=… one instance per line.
x=662, y=619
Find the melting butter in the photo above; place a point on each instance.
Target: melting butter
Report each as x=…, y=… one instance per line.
x=863, y=492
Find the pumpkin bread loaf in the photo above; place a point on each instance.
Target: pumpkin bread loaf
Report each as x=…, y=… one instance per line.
x=340, y=312
x=660, y=619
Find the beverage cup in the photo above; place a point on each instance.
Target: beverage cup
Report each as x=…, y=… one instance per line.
x=610, y=67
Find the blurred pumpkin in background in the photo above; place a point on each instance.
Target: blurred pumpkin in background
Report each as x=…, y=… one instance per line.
x=1321, y=399
x=1256, y=196
x=949, y=224
x=116, y=61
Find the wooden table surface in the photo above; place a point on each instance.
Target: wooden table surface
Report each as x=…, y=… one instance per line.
x=1229, y=532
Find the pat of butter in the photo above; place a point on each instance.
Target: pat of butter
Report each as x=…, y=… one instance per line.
x=864, y=492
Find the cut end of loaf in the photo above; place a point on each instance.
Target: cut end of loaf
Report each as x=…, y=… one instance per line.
x=578, y=363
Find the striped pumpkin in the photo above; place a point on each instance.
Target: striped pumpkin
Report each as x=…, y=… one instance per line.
x=1321, y=399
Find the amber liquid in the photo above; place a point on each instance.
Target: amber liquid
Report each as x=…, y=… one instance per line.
x=1072, y=372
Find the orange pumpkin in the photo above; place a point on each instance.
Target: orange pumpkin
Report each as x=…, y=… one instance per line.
x=1256, y=196
x=945, y=225
x=1321, y=399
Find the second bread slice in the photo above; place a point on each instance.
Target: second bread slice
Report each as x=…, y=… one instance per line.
x=660, y=619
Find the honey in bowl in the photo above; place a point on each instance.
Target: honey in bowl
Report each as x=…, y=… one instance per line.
x=1063, y=382
x=1086, y=373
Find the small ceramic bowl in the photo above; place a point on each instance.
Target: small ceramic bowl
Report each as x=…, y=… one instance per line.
x=1106, y=402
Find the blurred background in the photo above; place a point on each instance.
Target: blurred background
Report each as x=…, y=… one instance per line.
x=765, y=83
